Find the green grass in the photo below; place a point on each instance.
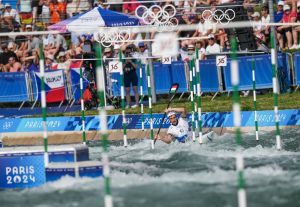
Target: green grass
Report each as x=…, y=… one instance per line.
x=221, y=103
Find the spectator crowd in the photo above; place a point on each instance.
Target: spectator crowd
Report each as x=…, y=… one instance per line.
x=21, y=53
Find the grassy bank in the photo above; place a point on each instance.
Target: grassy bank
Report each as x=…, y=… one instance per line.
x=221, y=103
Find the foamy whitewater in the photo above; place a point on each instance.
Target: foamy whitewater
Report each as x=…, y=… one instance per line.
x=183, y=175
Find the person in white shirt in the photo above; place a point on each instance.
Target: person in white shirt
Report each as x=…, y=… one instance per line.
x=179, y=128
x=212, y=46
x=265, y=18
x=142, y=53
x=10, y=15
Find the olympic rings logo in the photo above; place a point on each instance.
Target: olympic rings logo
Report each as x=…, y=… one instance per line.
x=219, y=16
x=162, y=17
x=107, y=38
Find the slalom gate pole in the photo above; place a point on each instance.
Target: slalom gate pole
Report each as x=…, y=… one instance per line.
x=108, y=201
x=192, y=100
x=254, y=99
x=236, y=109
x=123, y=101
x=195, y=93
x=82, y=109
x=275, y=90
x=199, y=104
x=44, y=106
x=142, y=95
x=150, y=106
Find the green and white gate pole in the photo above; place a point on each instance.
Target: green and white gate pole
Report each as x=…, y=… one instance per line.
x=254, y=99
x=142, y=95
x=192, y=99
x=199, y=104
x=275, y=90
x=195, y=93
x=108, y=202
x=236, y=109
x=123, y=101
x=44, y=106
x=150, y=106
x=274, y=74
x=82, y=109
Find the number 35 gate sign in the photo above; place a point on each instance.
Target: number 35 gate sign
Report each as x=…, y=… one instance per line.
x=20, y=170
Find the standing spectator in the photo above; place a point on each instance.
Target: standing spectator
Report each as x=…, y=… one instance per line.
x=71, y=8
x=57, y=11
x=45, y=12
x=35, y=5
x=82, y=6
x=129, y=8
x=288, y=17
x=296, y=29
x=25, y=11
x=212, y=46
x=130, y=78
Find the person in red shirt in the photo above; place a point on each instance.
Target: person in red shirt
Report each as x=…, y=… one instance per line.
x=130, y=8
x=289, y=16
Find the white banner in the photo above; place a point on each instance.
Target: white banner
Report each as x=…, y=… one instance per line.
x=221, y=60
x=115, y=66
x=54, y=79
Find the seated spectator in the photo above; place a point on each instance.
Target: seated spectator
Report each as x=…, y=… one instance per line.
x=278, y=14
x=49, y=62
x=191, y=52
x=25, y=11
x=212, y=46
x=257, y=26
x=296, y=29
x=10, y=15
x=204, y=26
x=250, y=12
x=200, y=45
x=265, y=18
x=31, y=62
x=6, y=54
x=129, y=8
x=13, y=65
x=63, y=63
x=288, y=17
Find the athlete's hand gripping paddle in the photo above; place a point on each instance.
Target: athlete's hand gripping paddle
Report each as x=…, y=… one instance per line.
x=172, y=93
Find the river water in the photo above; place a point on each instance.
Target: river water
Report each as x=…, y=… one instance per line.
x=181, y=175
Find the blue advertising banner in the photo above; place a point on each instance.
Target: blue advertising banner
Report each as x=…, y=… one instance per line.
x=22, y=171
x=210, y=119
x=13, y=87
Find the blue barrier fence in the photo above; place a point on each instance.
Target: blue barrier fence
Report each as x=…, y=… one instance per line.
x=297, y=68
x=15, y=87
x=263, y=69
